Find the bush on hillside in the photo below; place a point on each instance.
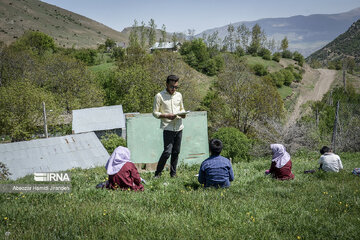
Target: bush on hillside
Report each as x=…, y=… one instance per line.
x=265, y=53
x=260, y=69
x=276, y=57
x=239, y=51
x=236, y=144
x=299, y=58
x=287, y=54
x=111, y=141
x=288, y=76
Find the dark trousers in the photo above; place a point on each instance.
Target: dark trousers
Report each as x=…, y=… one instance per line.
x=172, y=144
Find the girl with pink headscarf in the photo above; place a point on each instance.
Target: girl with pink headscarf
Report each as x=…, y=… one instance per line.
x=280, y=164
x=123, y=174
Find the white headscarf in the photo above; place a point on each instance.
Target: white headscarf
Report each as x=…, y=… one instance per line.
x=280, y=155
x=118, y=158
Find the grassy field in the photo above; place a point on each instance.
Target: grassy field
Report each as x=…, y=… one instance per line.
x=312, y=206
x=271, y=66
x=285, y=91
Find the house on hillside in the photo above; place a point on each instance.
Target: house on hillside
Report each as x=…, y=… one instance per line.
x=166, y=46
x=101, y=120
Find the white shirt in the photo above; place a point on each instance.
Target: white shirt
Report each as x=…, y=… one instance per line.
x=330, y=162
x=166, y=103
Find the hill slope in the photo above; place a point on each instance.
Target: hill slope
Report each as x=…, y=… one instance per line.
x=345, y=45
x=67, y=28
x=306, y=34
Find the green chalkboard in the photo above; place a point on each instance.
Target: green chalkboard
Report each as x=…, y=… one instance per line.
x=145, y=141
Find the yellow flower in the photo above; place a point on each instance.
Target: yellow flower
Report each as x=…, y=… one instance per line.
x=346, y=205
x=5, y=218
x=104, y=214
x=340, y=202
x=316, y=210
x=298, y=237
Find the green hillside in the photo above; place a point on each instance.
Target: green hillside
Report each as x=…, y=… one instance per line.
x=66, y=28
x=345, y=45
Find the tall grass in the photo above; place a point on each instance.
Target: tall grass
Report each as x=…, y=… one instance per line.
x=312, y=206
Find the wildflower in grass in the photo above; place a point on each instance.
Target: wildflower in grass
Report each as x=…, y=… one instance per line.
x=5, y=218
x=316, y=210
x=340, y=203
x=346, y=205
x=298, y=237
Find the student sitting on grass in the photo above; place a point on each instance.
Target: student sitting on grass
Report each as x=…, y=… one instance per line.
x=122, y=172
x=280, y=163
x=216, y=171
x=329, y=161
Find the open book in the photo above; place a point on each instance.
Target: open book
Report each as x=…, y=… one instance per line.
x=182, y=113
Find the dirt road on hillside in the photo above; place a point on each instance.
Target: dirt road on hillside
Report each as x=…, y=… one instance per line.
x=315, y=83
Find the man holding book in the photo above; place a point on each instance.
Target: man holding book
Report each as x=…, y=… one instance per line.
x=169, y=108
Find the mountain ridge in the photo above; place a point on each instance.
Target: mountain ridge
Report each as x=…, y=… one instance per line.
x=306, y=34
x=67, y=28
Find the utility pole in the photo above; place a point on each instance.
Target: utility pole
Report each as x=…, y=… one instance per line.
x=45, y=123
x=333, y=141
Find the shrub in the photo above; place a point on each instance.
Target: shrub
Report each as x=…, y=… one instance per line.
x=265, y=53
x=239, y=51
x=288, y=76
x=260, y=69
x=236, y=144
x=299, y=58
x=112, y=141
x=276, y=57
x=287, y=54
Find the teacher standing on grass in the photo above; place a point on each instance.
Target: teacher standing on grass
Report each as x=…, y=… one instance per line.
x=167, y=105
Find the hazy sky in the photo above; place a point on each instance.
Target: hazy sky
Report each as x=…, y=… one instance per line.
x=180, y=15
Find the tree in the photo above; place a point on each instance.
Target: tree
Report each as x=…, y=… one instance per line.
x=110, y=43
x=70, y=81
x=163, y=33
x=250, y=100
x=299, y=58
x=142, y=34
x=131, y=87
x=191, y=33
x=284, y=44
x=133, y=37
x=21, y=109
x=37, y=42
x=255, y=39
x=244, y=34
x=152, y=32
x=271, y=45
x=229, y=40
x=15, y=64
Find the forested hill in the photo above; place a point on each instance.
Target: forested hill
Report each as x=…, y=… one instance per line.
x=68, y=29
x=345, y=45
